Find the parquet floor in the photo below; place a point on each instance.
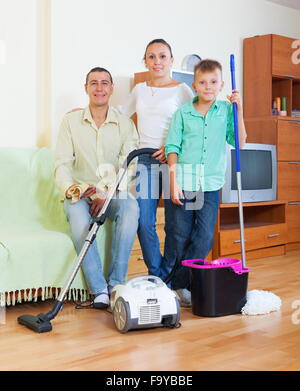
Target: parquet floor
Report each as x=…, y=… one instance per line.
x=88, y=340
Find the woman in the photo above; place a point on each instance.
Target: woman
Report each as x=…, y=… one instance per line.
x=154, y=102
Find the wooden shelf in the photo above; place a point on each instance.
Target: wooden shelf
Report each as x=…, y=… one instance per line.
x=273, y=117
x=268, y=69
x=264, y=228
x=269, y=73
x=248, y=224
x=249, y=204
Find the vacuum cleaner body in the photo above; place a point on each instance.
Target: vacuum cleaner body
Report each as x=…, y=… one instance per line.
x=144, y=302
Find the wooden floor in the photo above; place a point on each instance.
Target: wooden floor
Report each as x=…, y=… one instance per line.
x=88, y=340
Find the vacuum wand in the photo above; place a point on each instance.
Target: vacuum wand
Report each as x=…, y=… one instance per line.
x=41, y=323
x=238, y=164
x=100, y=219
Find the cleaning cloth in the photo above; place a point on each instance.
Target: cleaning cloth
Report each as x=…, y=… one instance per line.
x=75, y=192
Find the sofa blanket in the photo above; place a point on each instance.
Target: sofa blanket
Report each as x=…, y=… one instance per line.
x=36, y=250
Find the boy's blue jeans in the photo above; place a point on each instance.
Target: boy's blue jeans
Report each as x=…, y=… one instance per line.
x=152, y=180
x=125, y=213
x=193, y=234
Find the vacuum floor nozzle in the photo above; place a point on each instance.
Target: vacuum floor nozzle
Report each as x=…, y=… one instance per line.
x=39, y=323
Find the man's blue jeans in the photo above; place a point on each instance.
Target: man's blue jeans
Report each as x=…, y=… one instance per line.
x=125, y=213
x=193, y=234
x=152, y=181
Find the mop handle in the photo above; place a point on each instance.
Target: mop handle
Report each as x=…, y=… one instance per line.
x=235, y=116
x=238, y=165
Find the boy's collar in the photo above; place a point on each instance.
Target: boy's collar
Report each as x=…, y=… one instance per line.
x=191, y=109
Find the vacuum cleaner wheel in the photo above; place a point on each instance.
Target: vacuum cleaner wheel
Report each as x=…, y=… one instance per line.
x=177, y=320
x=121, y=314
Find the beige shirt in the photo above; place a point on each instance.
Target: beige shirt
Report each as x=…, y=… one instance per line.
x=86, y=154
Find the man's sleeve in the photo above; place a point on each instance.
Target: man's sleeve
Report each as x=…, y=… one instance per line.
x=175, y=133
x=130, y=143
x=64, y=157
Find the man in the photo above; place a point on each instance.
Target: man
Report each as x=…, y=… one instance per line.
x=92, y=144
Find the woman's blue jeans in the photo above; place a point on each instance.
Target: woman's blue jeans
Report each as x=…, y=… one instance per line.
x=152, y=181
x=193, y=234
x=124, y=212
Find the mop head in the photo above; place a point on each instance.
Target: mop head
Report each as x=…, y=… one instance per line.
x=261, y=302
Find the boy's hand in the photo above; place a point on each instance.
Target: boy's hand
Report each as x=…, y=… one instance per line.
x=235, y=98
x=176, y=194
x=160, y=155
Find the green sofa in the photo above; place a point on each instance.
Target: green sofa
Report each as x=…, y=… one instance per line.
x=36, y=251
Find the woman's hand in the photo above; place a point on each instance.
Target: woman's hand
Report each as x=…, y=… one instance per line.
x=160, y=155
x=176, y=194
x=235, y=98
x=77, y=109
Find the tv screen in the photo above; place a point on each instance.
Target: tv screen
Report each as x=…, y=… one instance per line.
x=256, y=169
x=258, y=174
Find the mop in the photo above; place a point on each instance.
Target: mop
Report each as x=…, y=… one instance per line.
x=258, y=302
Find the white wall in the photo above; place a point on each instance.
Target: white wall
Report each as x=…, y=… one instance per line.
x=18, y=83
x=52, y=44
x=114, y=33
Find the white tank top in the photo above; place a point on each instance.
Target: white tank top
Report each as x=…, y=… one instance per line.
x=154, y=108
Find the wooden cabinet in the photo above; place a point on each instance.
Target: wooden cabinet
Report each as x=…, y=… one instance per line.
x=293, y=213
x=265, y=229
x=288, y=186
x=269, y=72
x=255, y=238
x=276, y=75
x=288, y=140
x=285, y=134
x=282, y=55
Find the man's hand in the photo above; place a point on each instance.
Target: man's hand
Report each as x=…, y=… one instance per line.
x=96, y=206
x=89, y=192
x=160, y=155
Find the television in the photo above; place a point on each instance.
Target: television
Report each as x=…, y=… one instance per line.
x=183, y=77
x=258, y=174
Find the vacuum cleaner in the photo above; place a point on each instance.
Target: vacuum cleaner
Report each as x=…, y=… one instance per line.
x=142, y=302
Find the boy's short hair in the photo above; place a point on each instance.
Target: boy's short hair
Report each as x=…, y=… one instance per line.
x=207, y=65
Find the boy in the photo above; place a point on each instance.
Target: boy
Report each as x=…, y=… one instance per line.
x=196, y=153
